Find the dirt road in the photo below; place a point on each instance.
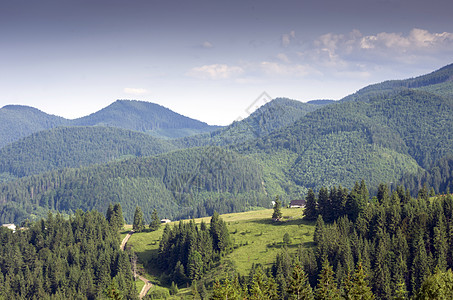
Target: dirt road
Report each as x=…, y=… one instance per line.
x=148, y=283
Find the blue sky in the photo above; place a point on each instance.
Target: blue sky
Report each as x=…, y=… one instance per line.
x=210, y=60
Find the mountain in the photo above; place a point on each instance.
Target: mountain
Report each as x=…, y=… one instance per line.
x=379, y=140
x=389, y=135
x=439, y=82
x=189, y=182
x=17, y=121
x=74, y=147
x=276, y=114
x=145, y=117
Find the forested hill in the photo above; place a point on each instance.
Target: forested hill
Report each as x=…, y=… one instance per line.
x=145, y=117
x=186, y=183
x=17, y=121
x=380, y=140
x=75, y=147
x=276, y=114
x=438, y=82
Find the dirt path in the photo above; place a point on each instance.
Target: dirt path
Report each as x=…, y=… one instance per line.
x=148, y=283
x=124, y=242
x=146, y=287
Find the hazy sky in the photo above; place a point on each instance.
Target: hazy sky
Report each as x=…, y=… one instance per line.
x=210, y=60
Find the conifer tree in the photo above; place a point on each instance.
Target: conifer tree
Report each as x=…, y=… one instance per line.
x=311, y=210
x=327, y=286
x=298, y=287
x=155, y=222
x=357, y=287
x=277, y=214
x=138, y=225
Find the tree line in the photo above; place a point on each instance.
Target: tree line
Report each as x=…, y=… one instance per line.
x=57, y=258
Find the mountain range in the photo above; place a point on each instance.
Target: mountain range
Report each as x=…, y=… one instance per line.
x=17, y=121
x=394, y=132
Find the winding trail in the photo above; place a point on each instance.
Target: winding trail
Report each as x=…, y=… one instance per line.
x=148, y=283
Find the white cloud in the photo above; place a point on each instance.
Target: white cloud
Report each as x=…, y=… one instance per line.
x=215, y=71
x=135, y=91
x=389, y=44
x=207, y=44
x=287, y=38
x=283, y=57
x=279, y=69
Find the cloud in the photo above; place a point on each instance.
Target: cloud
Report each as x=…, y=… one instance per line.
x=207, y=45
x=135, y=91
x=215, y=71
x=280, y=69
x=388, y=45
x=283, y=57
x=287, y=38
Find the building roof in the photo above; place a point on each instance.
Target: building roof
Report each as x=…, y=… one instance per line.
x=297, y=203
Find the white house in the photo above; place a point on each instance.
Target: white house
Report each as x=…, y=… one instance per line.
x=10, y=226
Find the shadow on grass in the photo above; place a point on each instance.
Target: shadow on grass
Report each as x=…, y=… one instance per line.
x=281, y=246
x=284, y=222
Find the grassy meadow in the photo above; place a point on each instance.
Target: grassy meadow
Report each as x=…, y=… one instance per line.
x=256, y=239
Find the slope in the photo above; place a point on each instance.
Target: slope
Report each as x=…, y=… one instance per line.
x=145, y=117
x=75, y=147
x=17, y=121
x=378, y=140
x=441, y=79
x=276, y=114
x=184, y=183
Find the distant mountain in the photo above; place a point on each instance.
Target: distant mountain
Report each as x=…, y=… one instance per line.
x=73, y=147
x=399, y=131
x=145, y=117
x=439, y=82
x=17, y=121
x=268, y=118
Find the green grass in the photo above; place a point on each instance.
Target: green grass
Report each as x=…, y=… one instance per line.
x=256, y=238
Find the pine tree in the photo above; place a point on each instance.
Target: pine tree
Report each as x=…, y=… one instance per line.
x=138, y=225
x=155, y=222
x=277, y=214
x=311, y=210
x=357, y=287
x=327, y=287
x=298, y=287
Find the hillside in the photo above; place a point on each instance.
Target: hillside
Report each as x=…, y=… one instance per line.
x=438, y=82
x=191, y=182
x=73, y=147
x=145, y=117
x=276, y=114
x=380, y=139
x=17, y=121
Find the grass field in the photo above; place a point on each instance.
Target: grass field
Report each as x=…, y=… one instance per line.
x=256, y=238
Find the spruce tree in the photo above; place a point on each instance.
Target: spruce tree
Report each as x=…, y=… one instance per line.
x=311, y=210
x=277, y=214
x=327, y=286
x=138, y=225
x=155, y=222
x=299, y=287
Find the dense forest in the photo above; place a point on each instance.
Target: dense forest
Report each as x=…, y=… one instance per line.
x=73, y=147
x=392, y=246
x=79, y=258
x=180, y=184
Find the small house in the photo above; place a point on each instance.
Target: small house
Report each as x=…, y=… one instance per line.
x=10, y=226
x=297, y=204
x=163, y=221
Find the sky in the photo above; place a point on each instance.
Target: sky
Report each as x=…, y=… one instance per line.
x=212, y=60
